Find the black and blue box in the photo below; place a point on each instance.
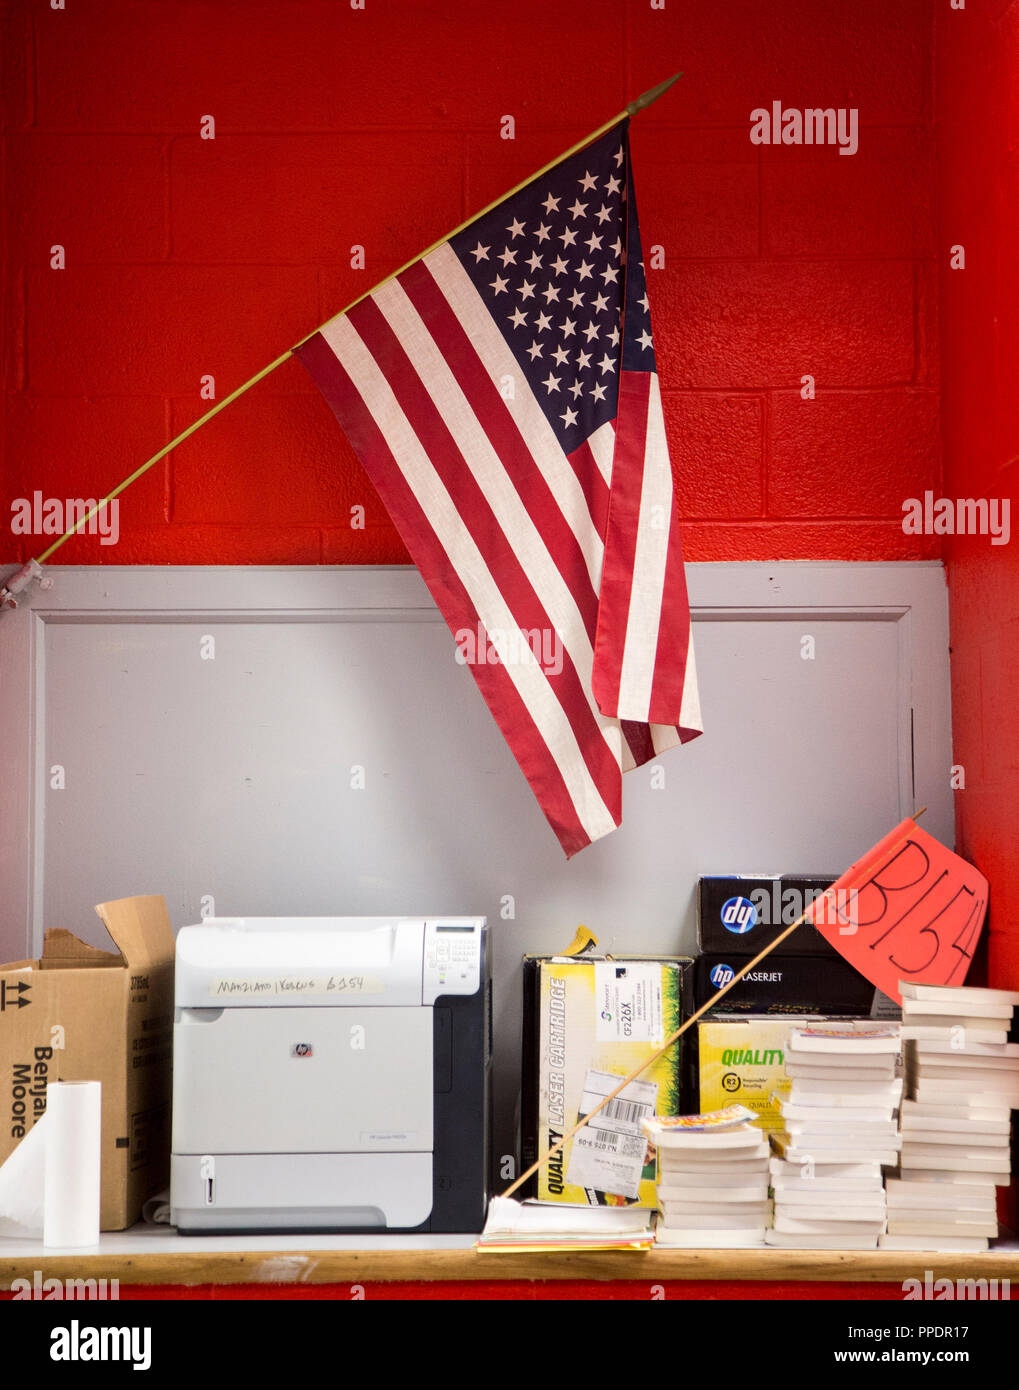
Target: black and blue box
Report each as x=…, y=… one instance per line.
x=740, y=914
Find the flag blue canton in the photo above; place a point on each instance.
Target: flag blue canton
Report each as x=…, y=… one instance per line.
x=550, y=265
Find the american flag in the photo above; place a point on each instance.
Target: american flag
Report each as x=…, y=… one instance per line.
x=502, y=396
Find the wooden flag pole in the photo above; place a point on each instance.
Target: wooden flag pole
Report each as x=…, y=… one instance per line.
x=631, y=109
x=543, y=1159
x=185, y=434
x=645, y=99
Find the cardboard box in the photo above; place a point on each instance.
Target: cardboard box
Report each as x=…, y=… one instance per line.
x=791, y=984
x=742, y=1057
x=585, y=1015
x=82, y=1014
x=742, y=1061
x=738, y=914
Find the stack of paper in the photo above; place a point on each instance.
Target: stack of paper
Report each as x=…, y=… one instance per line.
x=540, y=1226
x=712, y=1179
x=840, y=1129
x=963, y=1081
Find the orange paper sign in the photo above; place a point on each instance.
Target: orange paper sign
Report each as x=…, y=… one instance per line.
x=908, y=910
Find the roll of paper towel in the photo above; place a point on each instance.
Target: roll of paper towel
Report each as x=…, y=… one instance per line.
x=73, y=1163
x=22, y=1180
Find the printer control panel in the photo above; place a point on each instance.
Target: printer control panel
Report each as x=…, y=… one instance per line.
x=452, y=963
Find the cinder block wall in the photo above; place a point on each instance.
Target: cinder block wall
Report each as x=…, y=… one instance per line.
x=380, y=128
x=339, y=128
x=978, y=210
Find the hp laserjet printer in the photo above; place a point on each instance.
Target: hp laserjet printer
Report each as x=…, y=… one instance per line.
x=331, y=1074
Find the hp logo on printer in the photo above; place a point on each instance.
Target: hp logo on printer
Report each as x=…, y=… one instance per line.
x=721, y=975
x=739, y=915
x=301, y=1050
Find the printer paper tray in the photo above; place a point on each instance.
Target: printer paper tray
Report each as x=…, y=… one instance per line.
x=291, y=1192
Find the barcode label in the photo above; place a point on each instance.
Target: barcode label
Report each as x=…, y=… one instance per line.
x=630, y=1111
x=627, y=1144
x=609, y=1155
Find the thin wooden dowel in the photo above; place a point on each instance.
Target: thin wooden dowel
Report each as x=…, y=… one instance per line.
x=643, y=101
x=185, y=434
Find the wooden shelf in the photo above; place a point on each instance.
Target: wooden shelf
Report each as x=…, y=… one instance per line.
x=158, y=1258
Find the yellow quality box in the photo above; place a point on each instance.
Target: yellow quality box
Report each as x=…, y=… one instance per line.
x=742, y=1060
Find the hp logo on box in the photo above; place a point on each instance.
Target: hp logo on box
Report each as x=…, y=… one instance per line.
x=739, y=915
x=721, y=975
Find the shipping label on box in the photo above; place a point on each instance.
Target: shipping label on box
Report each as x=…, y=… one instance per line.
x=83, y=1014
x=595, y=1022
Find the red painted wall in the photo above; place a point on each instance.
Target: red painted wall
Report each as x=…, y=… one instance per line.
x=380, y=127
x=977, y=79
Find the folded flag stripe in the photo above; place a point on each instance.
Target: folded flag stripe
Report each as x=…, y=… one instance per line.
x=525, y=496
x=639, y=586
x=577, y=492
x=537, y=712
x=541, y=518
x=522, y=505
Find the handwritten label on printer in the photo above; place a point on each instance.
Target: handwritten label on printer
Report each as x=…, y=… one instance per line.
x=628, y=1002
x=294, y=986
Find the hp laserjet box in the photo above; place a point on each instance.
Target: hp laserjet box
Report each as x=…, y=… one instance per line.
x=791, y=984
